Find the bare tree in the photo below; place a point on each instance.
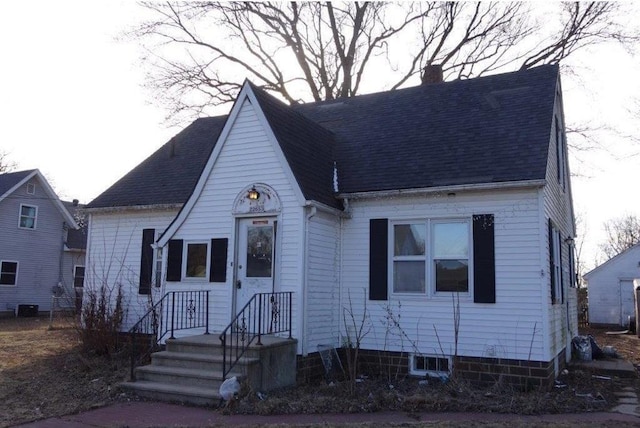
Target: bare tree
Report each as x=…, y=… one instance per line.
x=622, y=233
x=321, y=51
x=6, y=165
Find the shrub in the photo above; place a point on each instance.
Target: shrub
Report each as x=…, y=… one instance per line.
x=102, y=317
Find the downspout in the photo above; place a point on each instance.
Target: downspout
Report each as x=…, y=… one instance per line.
x=347, y=211
x=305, y=265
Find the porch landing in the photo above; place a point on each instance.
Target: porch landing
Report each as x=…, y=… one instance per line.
x=190, y=369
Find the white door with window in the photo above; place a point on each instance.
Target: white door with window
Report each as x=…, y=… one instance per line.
x=255, y=258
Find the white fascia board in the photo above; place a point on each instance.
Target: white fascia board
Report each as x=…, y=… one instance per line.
x=276, y=146
x=206, y=171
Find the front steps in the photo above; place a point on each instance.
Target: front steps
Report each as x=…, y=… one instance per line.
x=190, y=369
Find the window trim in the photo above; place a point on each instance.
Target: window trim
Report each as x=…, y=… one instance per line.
x=158, y=264
x=15, y=281
x=75, y=270
x=35, y=218
x=185, y=254
x=436, y=373
x=556, y=276
x=469, y=258
x=407, y=258
x=430, y=285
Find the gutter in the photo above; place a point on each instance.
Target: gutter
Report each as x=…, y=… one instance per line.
x=527, y=184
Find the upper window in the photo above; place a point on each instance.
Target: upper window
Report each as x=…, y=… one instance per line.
x=196, y=266
x=8, y=273
x=31, y=188
x=28, y=216
x=78, y=276
x=445, y=261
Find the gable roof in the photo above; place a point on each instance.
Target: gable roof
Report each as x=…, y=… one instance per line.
x=168, y=175
x=613, y=259
x=11, y=181
x=492, y=129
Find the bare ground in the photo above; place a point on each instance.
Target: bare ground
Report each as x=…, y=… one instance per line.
x=44, y=373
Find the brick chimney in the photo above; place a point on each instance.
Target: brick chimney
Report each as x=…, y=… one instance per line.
x=432, y=74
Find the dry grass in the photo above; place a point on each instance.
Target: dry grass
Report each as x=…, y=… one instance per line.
x=44, y=374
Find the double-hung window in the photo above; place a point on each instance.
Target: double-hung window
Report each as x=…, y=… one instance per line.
x=451, y=256
x=8, y=272
x=430, y=256
x=409, y=257
x=28, y=216
x=78, y=276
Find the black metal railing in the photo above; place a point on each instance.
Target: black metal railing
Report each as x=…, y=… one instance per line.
x=176, y=310
x=265, y=313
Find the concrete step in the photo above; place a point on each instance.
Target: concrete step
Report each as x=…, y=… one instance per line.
x=209, y=344
x=197, y=361
x=173, y=393
x=182, y=376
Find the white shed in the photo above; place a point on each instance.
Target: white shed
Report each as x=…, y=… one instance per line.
x=611, y=287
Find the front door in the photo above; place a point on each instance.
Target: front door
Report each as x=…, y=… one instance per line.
x=256, y=258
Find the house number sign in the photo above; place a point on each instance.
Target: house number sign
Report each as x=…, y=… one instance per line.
x=257, y=198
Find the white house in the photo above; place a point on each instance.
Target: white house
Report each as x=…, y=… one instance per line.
x=611, y=289
x=395, y=209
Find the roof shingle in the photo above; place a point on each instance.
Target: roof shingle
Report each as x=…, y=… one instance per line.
x=484, y=130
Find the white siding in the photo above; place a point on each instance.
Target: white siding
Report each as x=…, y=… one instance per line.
x=38, y=251
x=604, y=286
x=323, y=293
x=509, y=328
x=247, y=156
x=562, y=324
x=113, y=256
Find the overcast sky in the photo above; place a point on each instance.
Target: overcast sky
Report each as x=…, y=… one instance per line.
x=72, y=105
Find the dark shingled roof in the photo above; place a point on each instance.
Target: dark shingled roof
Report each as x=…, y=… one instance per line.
x=76, y=238
x=484, y=130
x=169, y=175
x=10, y=179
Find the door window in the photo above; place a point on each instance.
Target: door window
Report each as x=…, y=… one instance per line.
x=259, y=251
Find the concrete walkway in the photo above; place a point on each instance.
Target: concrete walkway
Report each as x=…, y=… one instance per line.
x=150, y=414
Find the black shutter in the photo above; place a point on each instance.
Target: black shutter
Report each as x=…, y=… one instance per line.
x=484, y=259
x=561, y=273
x=552, y=271
x=218, y=265
x=174, y=260
x=378, y=260
x=146, y=261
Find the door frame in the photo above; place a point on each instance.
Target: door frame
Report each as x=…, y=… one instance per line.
x=236, y=255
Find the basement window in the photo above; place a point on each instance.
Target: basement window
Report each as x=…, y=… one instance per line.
x=429, y=365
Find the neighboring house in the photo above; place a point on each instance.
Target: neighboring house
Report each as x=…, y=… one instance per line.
x=391, y=206
x=611, y=289
x=34, y=226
